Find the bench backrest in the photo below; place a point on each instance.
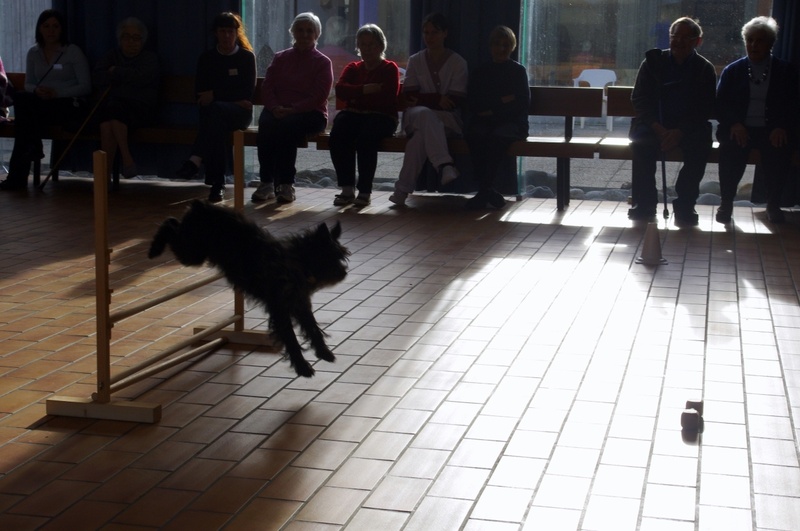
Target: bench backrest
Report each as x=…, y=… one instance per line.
x=566, y=101
x=619, y=101
x=545, y=101
x=17, y=79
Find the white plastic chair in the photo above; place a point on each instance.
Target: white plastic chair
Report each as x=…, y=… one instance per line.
x=598, y=77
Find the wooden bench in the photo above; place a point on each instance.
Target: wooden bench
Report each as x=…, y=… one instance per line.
x=173, y=90
x=564, y=102
x=619, y=104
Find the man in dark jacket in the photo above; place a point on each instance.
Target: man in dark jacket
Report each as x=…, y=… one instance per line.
x=674, y=99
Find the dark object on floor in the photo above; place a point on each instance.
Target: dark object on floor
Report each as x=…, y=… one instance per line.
x=188, y=170
x=281, y=274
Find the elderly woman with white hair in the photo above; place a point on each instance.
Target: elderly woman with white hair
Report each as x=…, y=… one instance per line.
x=757, y=107
x=366, y=93
x=295, y=95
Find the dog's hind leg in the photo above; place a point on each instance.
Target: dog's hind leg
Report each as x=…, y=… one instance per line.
x=281, y=325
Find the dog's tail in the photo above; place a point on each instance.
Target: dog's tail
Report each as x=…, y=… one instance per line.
x=165, y=235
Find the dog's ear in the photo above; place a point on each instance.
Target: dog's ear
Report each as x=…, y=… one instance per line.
x=322, y=231
x=336, y=231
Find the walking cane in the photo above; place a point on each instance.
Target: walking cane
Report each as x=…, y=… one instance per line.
x=55, y=166
x=664, y=174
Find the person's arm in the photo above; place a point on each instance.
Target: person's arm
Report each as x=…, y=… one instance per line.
x=273, y=73
x=704, y=93
x=320, y=82
x=386, y=97
x=82, y=85
x=457, y=91
x=240, y=78
x=644, y=96
x=202, y=81
x=349, y=87
x=380, y=95
x=31, y=79
x=143, y=72
x=725, y=100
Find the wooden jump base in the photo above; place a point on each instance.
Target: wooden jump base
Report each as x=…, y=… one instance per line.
x=101, y=405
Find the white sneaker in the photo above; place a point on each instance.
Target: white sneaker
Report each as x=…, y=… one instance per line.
x=449, y=174
x=265, y=192
x=362, y=200
x=285, y=193
x=398, y=198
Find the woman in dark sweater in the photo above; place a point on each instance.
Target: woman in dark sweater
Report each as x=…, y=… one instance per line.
x=225, y=82
x=498, y=98
x=130, y=74
x=756, y=107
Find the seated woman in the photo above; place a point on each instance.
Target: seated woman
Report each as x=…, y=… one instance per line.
x=497, y=102
x=56, y=79
x=756, y=107
x=295, y=95
x=130, y=74
x=5, y=94
x=367, y=90
x=225, y=81
x=433, y=94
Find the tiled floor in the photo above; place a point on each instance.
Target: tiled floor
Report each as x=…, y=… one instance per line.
x=511, y=370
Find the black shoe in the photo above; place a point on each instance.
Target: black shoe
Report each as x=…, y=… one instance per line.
x=775, y=214
x=217, y=194
x=724, y=212
x=496, y=199
x=642, y=213
x=478, y=202
x=13, y=184
x=686, y=218
x=188, y=170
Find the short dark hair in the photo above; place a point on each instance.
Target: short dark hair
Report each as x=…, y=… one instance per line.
x=437, y=20
x=62, y=20
x=503, y=33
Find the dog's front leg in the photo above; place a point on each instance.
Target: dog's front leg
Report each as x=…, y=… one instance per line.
x=308, y=324
x=282, y=327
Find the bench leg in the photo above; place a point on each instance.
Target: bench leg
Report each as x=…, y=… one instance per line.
x=562, y=183
x=37, y=172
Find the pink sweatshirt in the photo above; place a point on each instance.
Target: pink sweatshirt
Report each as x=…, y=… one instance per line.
x=301, y=79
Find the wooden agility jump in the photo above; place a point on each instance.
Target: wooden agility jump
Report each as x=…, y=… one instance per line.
x=101, y=405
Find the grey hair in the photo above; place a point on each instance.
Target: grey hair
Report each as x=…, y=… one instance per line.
x=766, y=24
x=693, y=25
x=377, y=34
x=136, y=23
x=308, y=16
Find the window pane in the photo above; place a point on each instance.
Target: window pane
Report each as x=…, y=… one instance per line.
x=614, y=34
x=268, y=26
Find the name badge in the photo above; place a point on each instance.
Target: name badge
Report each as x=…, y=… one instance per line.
x=58, y=66
x=233, y=72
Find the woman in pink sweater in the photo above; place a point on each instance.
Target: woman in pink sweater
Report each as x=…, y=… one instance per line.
x=295, y=94
x=367, y=94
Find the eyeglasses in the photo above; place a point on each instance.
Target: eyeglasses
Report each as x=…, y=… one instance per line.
x=130, y=37
x=682, y=38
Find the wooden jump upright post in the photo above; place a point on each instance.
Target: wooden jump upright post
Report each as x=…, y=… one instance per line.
x=101, y=405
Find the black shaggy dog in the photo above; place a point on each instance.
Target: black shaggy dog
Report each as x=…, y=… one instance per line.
x=281, y=274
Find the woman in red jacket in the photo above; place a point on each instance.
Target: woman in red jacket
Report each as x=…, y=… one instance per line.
x=367, y=94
